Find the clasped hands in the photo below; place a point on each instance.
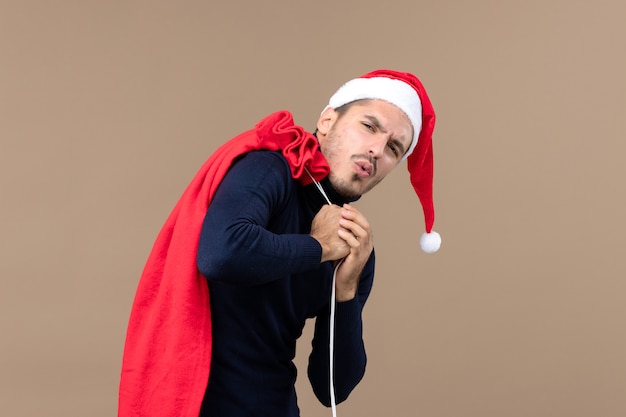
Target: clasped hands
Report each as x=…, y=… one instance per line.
x=344, y=233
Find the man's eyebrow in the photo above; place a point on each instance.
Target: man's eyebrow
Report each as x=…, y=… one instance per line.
x=375, y=122
x=380, y=127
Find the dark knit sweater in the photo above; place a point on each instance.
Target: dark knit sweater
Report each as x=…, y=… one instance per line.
x=265, y=280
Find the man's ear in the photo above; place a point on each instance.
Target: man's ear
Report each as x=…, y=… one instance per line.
x=326, y=120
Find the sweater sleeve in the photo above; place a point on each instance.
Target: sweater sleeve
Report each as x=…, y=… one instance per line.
x=236, y=243
x=349, y=349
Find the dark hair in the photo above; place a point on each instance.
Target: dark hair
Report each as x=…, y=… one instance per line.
x=343, y=109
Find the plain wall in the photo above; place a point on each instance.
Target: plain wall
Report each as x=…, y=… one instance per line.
x=107, y=109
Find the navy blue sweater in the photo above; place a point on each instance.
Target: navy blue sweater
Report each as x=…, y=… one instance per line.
x=265, y=280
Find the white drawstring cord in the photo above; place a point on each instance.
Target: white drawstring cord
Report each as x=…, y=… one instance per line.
x=331, y=343
x=319, y=187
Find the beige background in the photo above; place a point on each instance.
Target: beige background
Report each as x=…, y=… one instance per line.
x=107, y=108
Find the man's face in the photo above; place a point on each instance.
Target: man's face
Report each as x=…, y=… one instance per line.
x=363, y=144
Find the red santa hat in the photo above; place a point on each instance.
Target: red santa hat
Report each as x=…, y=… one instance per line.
x=405, y=91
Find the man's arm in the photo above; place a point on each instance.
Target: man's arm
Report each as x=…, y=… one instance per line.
x=235, y=244
x=349, y=348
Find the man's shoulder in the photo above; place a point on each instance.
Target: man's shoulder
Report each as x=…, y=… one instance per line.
x=264, y=164
x=263, y=156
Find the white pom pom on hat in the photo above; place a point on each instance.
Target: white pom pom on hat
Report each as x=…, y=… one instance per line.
x=405, y=91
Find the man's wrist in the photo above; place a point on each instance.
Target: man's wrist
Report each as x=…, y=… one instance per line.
x=345, y=294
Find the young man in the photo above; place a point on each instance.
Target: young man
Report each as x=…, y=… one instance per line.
x=252, y=249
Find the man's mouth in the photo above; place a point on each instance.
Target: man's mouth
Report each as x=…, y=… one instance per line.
x=364, y=168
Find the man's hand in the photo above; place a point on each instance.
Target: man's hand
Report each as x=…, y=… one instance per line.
x=344, y=233
x=355, y=231
x=325, y=228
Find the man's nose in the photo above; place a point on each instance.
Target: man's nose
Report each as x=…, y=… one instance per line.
x=376, y=147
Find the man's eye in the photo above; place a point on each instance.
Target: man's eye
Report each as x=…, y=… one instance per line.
x=368, y=126
x=393, y=148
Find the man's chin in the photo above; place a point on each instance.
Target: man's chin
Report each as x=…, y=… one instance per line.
x=364, y=187
x=349, y=196
x=351, y=190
